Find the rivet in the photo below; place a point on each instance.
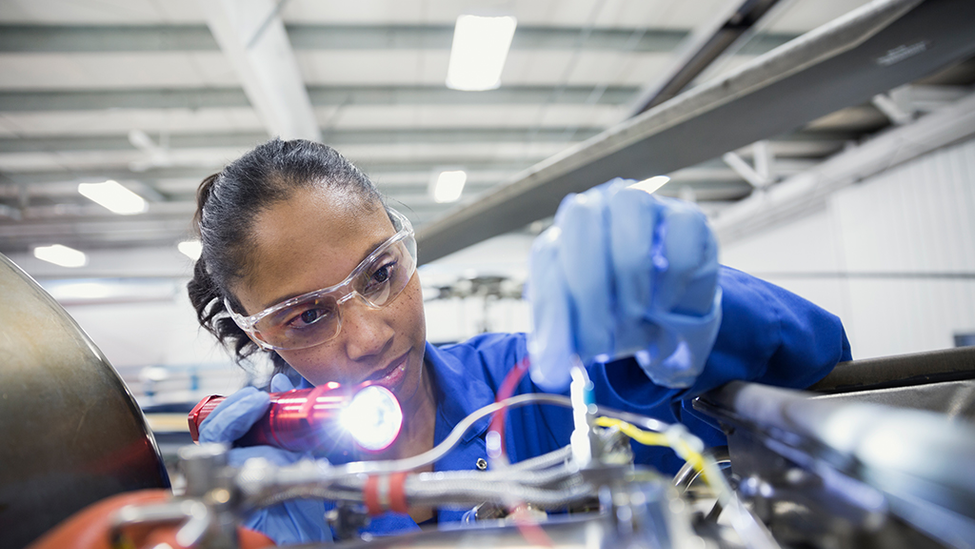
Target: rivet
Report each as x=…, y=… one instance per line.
x=481, y=464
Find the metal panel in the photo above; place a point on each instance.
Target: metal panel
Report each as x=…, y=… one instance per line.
x=72, y=433
x=24, y=38
x=321, y=96
x=833, y=67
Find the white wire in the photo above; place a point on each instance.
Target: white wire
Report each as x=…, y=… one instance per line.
x=440, y=450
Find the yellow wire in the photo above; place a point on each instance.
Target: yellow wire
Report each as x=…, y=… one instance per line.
x=649, y=438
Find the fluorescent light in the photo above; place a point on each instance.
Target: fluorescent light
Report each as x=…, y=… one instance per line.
x=61, y=255
x=449, y=185
x=81, y=290
x=113, y=196
x=652, y=184
x=191, y=249
x=478, y=52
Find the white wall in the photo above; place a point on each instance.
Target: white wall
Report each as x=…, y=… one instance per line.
x=893, y=256
x=457, y=319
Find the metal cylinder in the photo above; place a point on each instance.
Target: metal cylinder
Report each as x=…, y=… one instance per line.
x=72, y=432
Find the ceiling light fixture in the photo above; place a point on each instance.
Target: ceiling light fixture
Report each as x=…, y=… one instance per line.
x=113, y=196
x=448, y=186
x=190, y=248
x=478, y=52
x=81, y=291
x=61, y=255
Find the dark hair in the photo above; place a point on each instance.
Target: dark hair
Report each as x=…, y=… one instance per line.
x=227, y=205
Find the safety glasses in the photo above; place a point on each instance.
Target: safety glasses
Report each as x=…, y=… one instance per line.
x=314, y=318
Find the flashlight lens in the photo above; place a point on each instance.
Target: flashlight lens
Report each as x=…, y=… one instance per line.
x=373, y=418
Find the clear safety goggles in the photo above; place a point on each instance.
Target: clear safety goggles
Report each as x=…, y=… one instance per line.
x=314, y=318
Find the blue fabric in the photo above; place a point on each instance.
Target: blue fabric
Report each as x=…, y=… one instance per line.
x=767, y=335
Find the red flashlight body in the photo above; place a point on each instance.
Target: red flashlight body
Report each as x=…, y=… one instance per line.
x=300, y=420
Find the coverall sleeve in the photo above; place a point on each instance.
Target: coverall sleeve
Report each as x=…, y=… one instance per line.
x=767, y=334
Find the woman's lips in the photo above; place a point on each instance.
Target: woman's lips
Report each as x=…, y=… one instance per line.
x=392, y=376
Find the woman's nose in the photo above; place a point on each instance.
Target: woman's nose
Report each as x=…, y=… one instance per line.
x=366, y=331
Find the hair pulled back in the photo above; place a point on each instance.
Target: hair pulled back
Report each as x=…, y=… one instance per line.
x=228, y=204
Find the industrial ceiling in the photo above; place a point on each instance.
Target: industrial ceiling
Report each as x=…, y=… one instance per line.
x=158, y=94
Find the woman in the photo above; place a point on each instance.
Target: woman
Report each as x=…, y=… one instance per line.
x=303, y=261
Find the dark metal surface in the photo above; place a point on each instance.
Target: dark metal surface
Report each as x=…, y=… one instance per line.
x=71, y=432
x=807, y=78
x=900, y=371
x=747, y=14
x=954, y=399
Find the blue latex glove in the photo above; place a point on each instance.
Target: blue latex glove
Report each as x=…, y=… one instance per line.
x=295, y=521
x=623, y=272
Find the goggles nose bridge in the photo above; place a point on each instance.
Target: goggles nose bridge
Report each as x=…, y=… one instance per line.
x=348, y=296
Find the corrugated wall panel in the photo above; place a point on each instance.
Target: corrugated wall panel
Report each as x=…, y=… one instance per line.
x=894, y=255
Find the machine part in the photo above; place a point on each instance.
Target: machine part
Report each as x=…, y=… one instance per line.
x=195, y=518
x=908, y=370
x=954, y=399
x=346, y=519
x=73, y=434
x=687, y=477
x=328, y=421
x=851, y=471
x=940, y=381
x=645, y=512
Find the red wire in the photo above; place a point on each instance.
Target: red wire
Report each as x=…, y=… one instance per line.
x=530, y=529
x=505, y=391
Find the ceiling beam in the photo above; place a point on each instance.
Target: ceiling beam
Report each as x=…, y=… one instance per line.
x=375, y=168
x=252, y=37
x=335, y=138
x=872, y=49
x=320, y=96
x=700, y=48
x=75, y=39
x=807, y=191
x=107, y=231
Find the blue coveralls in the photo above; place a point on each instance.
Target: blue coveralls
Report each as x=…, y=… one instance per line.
x=767, y=335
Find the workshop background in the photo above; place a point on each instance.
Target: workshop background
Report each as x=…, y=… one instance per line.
x=867, y=209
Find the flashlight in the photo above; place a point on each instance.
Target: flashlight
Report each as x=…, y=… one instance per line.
x=328, y=421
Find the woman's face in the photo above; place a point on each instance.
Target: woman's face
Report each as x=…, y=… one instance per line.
x=314, y=240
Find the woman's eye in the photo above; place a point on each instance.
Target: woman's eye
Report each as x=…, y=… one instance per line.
x=308, y=316
x=382, y=274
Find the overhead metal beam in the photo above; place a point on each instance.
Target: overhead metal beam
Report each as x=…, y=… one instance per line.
x=870, y=50
x=107, y=231
x=701, y=47
x=335, y=138
x=807, y=191
x=51, y=101
x=252, y=37
x=375, y=168
x=320, y=96
x=719, y=187
x=74, y=39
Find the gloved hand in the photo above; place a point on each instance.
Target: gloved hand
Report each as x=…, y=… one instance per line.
x=294, y=521
x=623, y=272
